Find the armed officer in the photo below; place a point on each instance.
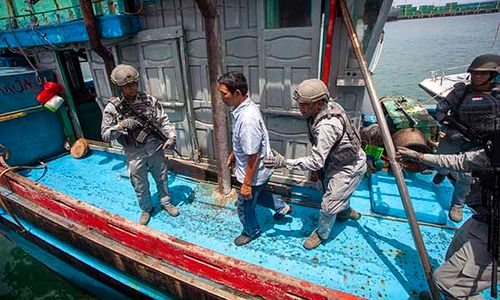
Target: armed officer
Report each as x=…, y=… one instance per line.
x=467, y=270
x=472, y=107
x=123, y=120
x=336, y=155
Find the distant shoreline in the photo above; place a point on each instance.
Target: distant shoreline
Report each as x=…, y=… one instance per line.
x=444, y=14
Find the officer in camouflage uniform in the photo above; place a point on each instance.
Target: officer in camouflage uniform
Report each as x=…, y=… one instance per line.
x=467, y=269
x=143, y=149
x=474, y=107
x=336, y=154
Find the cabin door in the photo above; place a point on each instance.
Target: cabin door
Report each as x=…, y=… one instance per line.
x=156, y=54
x=74, y=67
x=289, y=50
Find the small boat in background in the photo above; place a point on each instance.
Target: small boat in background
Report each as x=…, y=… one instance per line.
x=439, y=86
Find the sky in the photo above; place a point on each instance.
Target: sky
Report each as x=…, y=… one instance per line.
x=432, y=2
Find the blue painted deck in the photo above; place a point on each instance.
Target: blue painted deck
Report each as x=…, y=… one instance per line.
x=373, y=258
x=431, y=202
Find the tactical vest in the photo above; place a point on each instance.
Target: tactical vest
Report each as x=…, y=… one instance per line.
x=342, y=153
x=479, y=110
x=144, y=107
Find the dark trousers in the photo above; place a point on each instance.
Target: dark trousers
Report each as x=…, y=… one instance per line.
x=246, y=208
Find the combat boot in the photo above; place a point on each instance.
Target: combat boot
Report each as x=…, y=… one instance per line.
x=144, y=218
x=313, y=241
x=456, y=213
x=348, y=214
x=287, y=210
x=172, y=210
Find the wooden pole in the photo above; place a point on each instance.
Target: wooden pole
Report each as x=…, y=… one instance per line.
x=214, y=57
x=95, y=40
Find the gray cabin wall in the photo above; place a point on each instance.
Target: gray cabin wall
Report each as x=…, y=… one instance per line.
x=274, y=61
x=346, y=80
x=170, y=53
x=265, y=56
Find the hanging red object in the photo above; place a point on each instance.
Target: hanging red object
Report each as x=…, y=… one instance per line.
x=329, y=40
x=50, y=89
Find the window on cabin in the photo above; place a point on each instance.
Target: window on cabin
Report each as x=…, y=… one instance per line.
x=288, y=13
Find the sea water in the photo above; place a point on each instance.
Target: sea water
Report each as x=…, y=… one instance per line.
x=414, y=48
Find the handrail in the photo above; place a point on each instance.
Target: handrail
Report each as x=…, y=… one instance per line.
x=435, y=72
x=19, y=113
x=390, y=149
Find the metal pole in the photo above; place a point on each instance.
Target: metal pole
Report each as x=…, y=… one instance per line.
x=391, y=152
x=214, y=57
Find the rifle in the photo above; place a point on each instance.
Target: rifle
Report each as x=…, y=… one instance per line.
x=469, y=133
x=149, y=126
x=490, y=196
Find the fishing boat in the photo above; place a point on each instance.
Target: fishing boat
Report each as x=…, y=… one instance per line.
x=79, y=215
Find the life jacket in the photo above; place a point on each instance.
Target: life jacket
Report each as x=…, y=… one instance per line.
x=143, y=107
x=342, y=153
x=478, y=110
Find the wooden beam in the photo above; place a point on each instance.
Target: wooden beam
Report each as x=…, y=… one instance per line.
x=214, y=57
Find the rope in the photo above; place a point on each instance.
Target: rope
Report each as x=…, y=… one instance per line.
x=22, y=52
x=34, y=24
x=12, y=215
x=435, y=96
x=4, y=155
x=3, y=204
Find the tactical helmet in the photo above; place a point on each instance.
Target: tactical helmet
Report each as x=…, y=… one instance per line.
x=485, y=63
x=311, y=90
x=124, y=74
